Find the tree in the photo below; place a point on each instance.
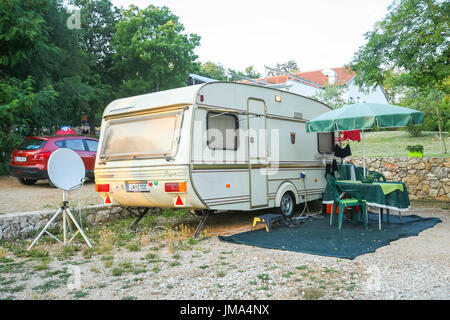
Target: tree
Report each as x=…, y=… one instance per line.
x=151, y=52
x=249, y=72
x=44, y=74
x=409, y=48
x=436, y=107
x=284, y=68
x=212, y=70
x=332, y=95
x=98, y=21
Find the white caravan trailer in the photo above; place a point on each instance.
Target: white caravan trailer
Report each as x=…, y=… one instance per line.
x=215, y=146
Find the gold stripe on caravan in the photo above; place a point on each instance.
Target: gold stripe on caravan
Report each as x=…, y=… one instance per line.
x=163, y=109
x=254, y=166
x=218, y=166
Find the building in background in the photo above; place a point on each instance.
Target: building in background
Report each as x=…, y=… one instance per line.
x=311, y=83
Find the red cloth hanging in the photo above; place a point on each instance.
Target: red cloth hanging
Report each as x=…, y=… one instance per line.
x=353, y=135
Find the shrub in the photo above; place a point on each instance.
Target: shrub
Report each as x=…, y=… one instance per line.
x=415, y=148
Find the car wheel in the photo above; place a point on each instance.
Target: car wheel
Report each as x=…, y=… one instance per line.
x=287, y=204
x=27, y=182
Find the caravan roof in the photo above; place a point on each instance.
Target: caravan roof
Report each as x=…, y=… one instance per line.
x=172, y=97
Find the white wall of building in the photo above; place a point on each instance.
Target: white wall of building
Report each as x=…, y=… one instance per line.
x=353, y=93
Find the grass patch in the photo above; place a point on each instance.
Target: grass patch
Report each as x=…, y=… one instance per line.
x=117, y=272
x=174, y=264
x=41, y=266
x=393, y=144
x=156, y=269
x=12, y=289
x=312, y=293
x=220, y=274
x=50, y=285
x=68, y=251
x=106, y=238
x=264, y=277
x=139, y=270
x=134, y=246
x=327, y=270
x=80, y=294
x=6, y=260
x=288, y=274
x=303, y=267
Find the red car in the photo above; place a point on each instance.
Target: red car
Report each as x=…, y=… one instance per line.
x=29, y=160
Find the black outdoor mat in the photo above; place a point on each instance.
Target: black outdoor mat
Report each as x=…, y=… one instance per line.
x=316, y=236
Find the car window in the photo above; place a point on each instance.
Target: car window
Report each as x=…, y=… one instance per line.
x=32, y=144
x=92, y=145
x=75, y=144
x=60, y=143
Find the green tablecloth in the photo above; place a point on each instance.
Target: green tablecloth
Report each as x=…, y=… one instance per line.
x=345, y=172
x=373, y=193
x=386, y=187
x=389, y=187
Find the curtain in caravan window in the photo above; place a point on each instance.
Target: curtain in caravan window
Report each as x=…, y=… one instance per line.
x=222, y=131
x=325, y=142
x=142, y=137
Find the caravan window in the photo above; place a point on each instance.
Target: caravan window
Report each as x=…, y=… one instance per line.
x=222, y=131
x=153, y=136
x=325, y=142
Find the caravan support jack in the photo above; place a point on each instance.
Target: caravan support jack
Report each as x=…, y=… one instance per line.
x=202, y=222
x=141, y=215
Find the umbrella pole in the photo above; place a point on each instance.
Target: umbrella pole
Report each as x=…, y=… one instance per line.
x=364, y=155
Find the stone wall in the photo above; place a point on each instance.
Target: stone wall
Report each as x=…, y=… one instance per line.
x=24, y=224
x=425, y=178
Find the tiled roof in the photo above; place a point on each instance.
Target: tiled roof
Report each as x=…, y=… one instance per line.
x=314, y=78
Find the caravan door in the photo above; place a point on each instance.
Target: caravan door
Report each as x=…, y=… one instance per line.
x=257, y=152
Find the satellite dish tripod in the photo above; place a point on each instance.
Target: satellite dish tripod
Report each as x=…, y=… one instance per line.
x=64, y=209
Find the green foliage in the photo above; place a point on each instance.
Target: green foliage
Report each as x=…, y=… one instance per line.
x=290, y=66
x=407, y=52
x=51, y=75
x=430, y=102
x=414, y=39
x=151, y=52
x=218, y=72
x=332, y=95
x=415, y=148
x=211, y=70
x=414, y=131
x=249, y=72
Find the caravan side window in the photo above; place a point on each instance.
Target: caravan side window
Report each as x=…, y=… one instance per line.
x=222, y=131
x=325, y=142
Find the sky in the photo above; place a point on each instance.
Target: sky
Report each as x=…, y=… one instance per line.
x=317, y=34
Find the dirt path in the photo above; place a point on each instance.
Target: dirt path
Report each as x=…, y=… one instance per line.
x=15, y=197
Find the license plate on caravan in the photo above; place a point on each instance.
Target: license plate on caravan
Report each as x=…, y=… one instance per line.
x=138, y=187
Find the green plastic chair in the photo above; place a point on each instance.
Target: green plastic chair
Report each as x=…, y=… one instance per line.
x=345, y=203
x=376, y=176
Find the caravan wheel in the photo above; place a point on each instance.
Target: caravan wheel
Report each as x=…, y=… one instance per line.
x=287, y=204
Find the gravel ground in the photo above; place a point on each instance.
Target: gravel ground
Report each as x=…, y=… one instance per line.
x=15, y=197
x=410, y=268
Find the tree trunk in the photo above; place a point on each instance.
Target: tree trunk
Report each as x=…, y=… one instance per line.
x=443, y=146
x=91, y=121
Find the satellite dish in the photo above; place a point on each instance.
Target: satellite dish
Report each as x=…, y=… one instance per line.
x=66, y=169
x=331, y=74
